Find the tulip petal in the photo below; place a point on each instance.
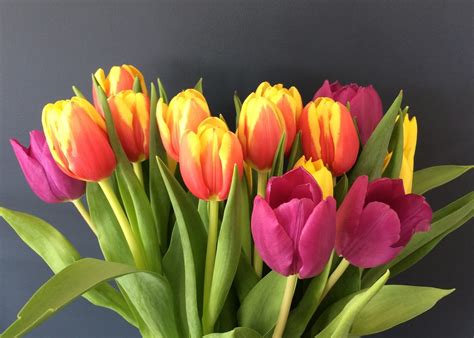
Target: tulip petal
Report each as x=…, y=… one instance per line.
x=385, y=190
x=324, y=91
x=366, y=107
x=271, y=240
x=317, y=239
x=230, y=154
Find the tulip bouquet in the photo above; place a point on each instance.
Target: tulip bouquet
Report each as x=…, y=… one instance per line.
x=290, y=226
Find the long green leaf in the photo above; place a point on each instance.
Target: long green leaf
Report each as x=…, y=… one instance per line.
x=245, y=278
x=279, y=158
x=296, y=152
x=340, y=189
x=429, y=178
x=238, y=107
x=238, y=332
x=396, y=148
x=198, y=86
x=162, y=91
x=371, y=158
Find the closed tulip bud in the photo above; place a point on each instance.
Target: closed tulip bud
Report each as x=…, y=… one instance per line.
x=365, y=104
x=42, y=173
x=376, y=221
x=207, y=159
x=261, y=126
x=131, y=116
x=290, y=104
x=293, y=227
x=119, y=78
x=185, y=112
x=319, y=172
x=328, y=134
x=77, y=138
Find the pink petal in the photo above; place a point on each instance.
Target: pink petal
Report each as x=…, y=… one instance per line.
x=324, y=91
x=271, y=240
x=366, y=107
x=385, y=190
x=317, y=239
x=345, y=94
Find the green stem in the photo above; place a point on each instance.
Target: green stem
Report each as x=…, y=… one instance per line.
x=261, y=187
x=85, y=214
x=210, y=259
x=135, y=246
x=137, y=168
x=336, y=274
x=285, y=305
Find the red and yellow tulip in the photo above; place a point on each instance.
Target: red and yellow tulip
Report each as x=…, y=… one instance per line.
x=328, y=133
x=131, y=115
x=320, y=173
x=288, y=100
x=77, y=137
x=207, y=159
x=261, y=125
x=185, y=112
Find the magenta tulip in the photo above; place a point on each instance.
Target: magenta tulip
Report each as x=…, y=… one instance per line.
x=365, y=104
x=293, y=227
x=42, y=173
x=376, y=220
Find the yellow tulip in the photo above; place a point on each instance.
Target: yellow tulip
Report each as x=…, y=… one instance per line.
x=321, y=174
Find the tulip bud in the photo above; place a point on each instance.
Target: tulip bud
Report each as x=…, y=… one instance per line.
x=42, y=173
x=131, y=115
x=77, y=138
x=290, y=104
x=365, y=104
x=320, y=173
x=328, y=133
x=185, y=111
x=207, y=159
x=293, y=227
x=376, y=221
x=261, y=126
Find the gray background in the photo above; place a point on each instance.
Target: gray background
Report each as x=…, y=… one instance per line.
x=424, y=47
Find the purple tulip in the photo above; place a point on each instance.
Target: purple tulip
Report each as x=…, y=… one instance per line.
x=365, y=104
x=293, y=227
x=42, y=173
x=376, y=220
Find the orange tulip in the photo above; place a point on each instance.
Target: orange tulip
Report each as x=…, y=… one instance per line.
x=131, y=115
x=207, y=159
x=290, y=104
x=261, y=125
x=77, y=137
x=328, y=133
x=185, y=111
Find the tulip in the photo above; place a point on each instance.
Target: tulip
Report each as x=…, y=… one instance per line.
x=260, y=128
x=365, y=104
x=319, y=172
x=185, y=112
x=131, y=115
x=376, y=220
x=328, y=133
x=119, y=78
x=290, y=104
x=42, y=173
x=207, y=159
x=77, y=138
x=293, y=227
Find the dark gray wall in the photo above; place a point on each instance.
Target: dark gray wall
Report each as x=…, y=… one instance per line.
x=424, y=47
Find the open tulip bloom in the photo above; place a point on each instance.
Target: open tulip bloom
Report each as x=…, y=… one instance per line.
x=206, y=231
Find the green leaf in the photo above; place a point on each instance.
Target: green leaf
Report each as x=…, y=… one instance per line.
x=203, y=210
x=245, y=220
x=228, y=250
x=260, y=308
x=137, y=87
x=238, y=107
x=301, y=315
x=58, y=253
x=162, y=91
x=238, y=332
x=296, y=152
x=245, y=278
x=192, y=238
x=340, y=190
x=198, y=86
x=77, y=92
x=160, y=202
x=278, y=160
x=393, y=305
x=445, y=221
x=429, y=178
x=61, y=289
x=371, y=158
x=396, y=147
x=341, y=325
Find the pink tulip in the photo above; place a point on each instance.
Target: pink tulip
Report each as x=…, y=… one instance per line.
x=42, y=173
x=293, y=227
x=376, y=220
x=365, y=104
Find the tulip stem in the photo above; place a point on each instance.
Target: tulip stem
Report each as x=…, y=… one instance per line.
x=85, y=214
x=261, y=187
x=285, y=305
x=210, y=259
x=137, y=168
x=336, y=274
x=135, y=246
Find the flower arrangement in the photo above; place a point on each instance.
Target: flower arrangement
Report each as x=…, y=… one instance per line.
x=290, y=226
